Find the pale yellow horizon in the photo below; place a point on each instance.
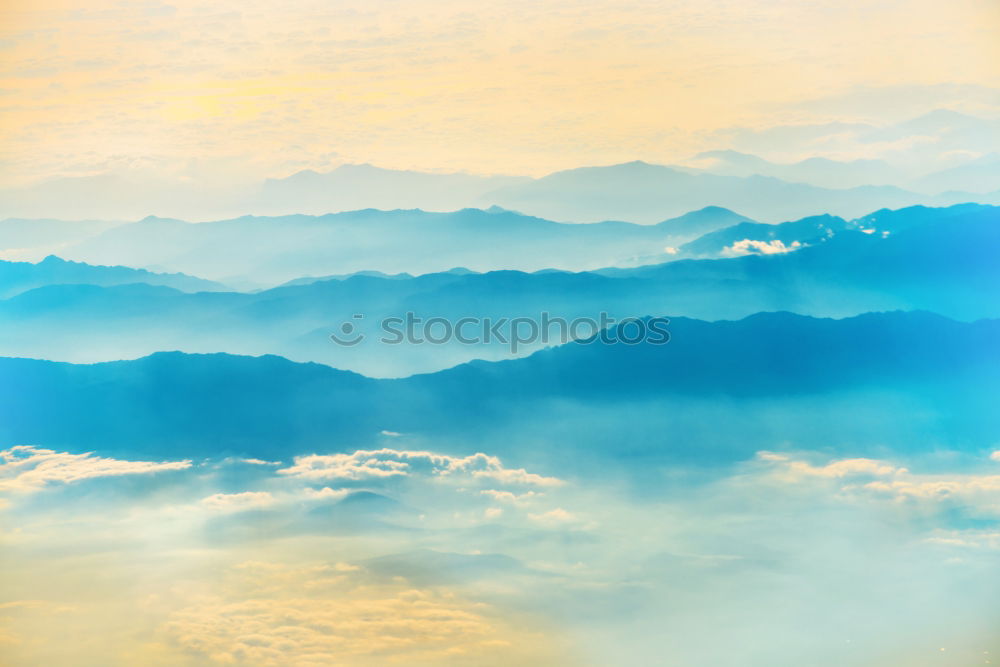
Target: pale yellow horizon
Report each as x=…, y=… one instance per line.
x=236, y=90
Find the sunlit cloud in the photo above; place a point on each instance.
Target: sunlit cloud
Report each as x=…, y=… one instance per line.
x=260, y=462
x=381, y=463
x=448, y=580
x=510, y=496
x=835, y=469
x=327, y=615
x=25, y=468
x=754, y=247
x=879, y=480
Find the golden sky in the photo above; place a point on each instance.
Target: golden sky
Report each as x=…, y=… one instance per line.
x=265, y=87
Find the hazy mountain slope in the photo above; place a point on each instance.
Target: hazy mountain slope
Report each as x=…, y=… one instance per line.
x=18, y=277
x=34, y=239
x=821, y=172
x=941, y=260
x=778, y=378
x=979, y=175
x=275, y=250
x=771, y=238
x=930, y=154
x=641, y=192
x=358, y=186
x=133, y=195
x=703, y=221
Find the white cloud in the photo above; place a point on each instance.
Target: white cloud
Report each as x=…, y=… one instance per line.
x=236, y=502
x=509, y=496
x=968, y=488
x=968, y=539
x=797, y=470
x=359, y=465
x=259, y=462
x=383, y=463
x=326, y=493
x=753, y=247
x=880, y=479
x=25, y=468
x=517, y=476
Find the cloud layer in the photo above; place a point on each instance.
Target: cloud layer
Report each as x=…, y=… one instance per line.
x=26, y=468
x=416, y=557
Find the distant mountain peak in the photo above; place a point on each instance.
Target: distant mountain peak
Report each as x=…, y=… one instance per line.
x=943, y=114
x=716, y=210
x=732, y=156
x=152, y=219
x=360, y=167
x=725, y=152
x=494, y=209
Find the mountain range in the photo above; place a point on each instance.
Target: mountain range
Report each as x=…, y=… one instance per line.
x=913, y=381
x=264, y=251
x=642, y=192
x=636, y=191
x=940, y=260
x=259, y=251
x=941, y=158
x=18, y=277
x=980, y=175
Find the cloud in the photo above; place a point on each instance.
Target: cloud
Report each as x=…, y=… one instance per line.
x=752, y=247
x=797, y=470
x=967, y=539
x=259, y=462
x=235, y=502
x=326, y=493
x=873, y=479
x=384, y=463
x=983, y=490
x=359, y=465
x=26, y=468
x=780, y=547
x=509, y=496
x=325, y=615
x=516, y=476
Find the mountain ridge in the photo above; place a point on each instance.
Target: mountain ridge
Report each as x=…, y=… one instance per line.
x=269, y=406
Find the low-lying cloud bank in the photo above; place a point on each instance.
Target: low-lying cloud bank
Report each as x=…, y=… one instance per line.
x=400, y=556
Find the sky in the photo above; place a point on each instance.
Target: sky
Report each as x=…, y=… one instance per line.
x=233, y=91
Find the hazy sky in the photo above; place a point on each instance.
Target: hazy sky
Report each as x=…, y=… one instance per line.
x=264, y=88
